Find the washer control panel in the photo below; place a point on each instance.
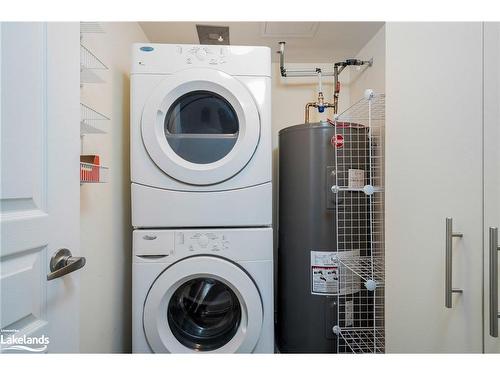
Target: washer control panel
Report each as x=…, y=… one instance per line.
x=170, y=245
x=191, y=55
x=201, y=241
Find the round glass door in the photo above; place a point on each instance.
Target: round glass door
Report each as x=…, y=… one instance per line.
x=203, y=304
x=204, y=314
x=201, y=127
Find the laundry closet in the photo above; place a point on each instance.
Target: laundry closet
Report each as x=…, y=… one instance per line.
x=252, y=187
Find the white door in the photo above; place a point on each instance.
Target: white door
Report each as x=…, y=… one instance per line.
x=201, y=126
x=39, y=185
x=203, y=304
x=433, y=171
x=491, y=175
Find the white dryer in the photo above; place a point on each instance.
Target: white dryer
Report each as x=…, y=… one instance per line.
x=201, y=136
x=205, y=291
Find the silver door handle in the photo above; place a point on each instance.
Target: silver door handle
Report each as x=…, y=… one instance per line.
x=63, y=262
x=494, y=313
x=449, y=263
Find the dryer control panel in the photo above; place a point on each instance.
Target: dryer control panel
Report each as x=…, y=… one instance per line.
x=197, y=55
x=153, y=58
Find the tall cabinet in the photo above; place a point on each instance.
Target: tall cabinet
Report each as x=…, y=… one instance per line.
x=491, y=180
x=442, y=184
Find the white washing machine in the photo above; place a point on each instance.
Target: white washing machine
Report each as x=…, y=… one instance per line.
x=200, y=136
x=208, y=291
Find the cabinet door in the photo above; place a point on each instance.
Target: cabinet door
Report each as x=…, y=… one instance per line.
x=433, y=171
x=491, y=165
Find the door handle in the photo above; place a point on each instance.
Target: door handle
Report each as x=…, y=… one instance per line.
x=63, y=262
x=494, y=313
x=449, y=263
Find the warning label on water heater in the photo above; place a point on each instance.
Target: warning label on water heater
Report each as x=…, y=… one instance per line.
x=355, y=178
x=324, y=272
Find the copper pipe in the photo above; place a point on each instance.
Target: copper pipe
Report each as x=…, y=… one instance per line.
x=308, y=106
x=315, y=105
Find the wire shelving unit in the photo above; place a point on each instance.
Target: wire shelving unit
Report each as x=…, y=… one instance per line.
x=91, y=28
x=93, y=173
x=359, y=198
x=89, y=65
x=91, y=121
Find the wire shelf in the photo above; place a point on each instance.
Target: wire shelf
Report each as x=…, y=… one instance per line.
x=91, y=121
x=93, y=173
x=91, y=28
x=368, y=268
x=359, y=202
x=360, y=113
x=89, y=64
x=361, y=340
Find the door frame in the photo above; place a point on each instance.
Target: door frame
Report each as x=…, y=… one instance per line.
x=491, y=162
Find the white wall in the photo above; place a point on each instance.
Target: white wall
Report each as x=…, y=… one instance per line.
x=105, y=323
x=370, y=77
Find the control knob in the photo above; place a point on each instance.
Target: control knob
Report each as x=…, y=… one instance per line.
x=201, y=54
x=203, y=240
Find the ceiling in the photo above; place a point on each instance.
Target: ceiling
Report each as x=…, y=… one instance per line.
x=305, y=41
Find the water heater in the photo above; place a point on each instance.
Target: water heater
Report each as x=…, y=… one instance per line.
x=308, y=270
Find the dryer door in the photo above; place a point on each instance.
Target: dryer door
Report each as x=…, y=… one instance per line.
x=200, y=126
x=203, y=304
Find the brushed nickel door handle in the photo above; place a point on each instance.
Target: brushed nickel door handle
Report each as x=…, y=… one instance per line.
x=449, y=263
x=494, y=313
x=63, y=262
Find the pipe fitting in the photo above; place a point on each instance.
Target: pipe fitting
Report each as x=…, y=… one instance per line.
x=338, y=67
x=321, y=105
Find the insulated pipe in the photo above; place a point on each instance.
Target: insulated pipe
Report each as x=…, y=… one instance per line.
x=297, y=72
x=338, y=67
x=313, y=72
x=320, y=84
x=336, y=88
x=320, y=104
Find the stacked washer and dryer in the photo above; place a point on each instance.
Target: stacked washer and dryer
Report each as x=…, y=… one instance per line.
x=201, y=199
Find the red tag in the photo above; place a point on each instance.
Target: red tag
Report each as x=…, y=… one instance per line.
x=338, y=141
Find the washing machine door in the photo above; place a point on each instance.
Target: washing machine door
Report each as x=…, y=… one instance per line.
x=203, y=304
x=200, y=126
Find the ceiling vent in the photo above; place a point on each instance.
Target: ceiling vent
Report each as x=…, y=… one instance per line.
x=289, y=29
x=213, y=34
